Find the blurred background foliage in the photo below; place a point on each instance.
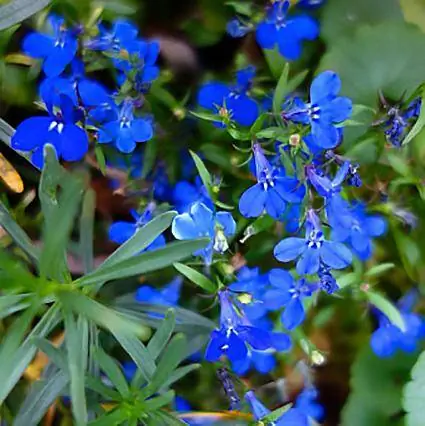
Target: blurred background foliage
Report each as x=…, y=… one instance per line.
x=373, y=45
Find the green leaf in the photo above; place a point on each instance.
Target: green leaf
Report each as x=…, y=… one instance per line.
x=179, y=373
x=368, y=62
x=18, y=10
x=100, y=159
x=206, y=116
x=275, y=414
x=275, y=61
x=420, y=122
x=112, y=418
x=258, y=123
x=196, y=277
x=13, y=303
x=414, y=394
x=240, y=135
x=76, y=341
x=398, y=163
x=96, y=385
x=141, y=239
x=295, y=81
x=269, y=133
x=149, y=157
x=379, y=269
x=12, y=365
x=145, y=262
x=111, y=368
x=281, y=90
x=17, y=234
x=202, y=170
x=153, y=404
x=164, y=418
x=41, y=396
x=86, y=230
x=241, y=7
x=160, y=339
x=55, y=355
x=386, y=307
x=376, y=388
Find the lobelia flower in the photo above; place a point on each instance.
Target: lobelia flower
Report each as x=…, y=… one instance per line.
x=234, y=334
x=231, y=101
x=237, y=29
x=56, y=50
x=272, y=190
x=388, y=338
x=313, y=249
x=327, y=282
x=289, y=293
x=186, y=193
x=121, y=231
x=362, y=230
x=58, y=128
x=287, y=33
x=200, y=222
x=324, y=110
x=167, y=296
x=125, y=130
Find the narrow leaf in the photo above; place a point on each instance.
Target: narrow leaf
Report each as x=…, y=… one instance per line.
x=420, y=122
x=160, y=339
x=110, y=367
x=86, y=230
x=18, y=10
x=196, y=277
x=281, y=90
x=202, y=170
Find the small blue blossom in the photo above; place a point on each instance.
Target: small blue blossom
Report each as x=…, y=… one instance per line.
x=200, y=222
x=324, y=110
x=234, y=334
x=388, y=338
x=360, y=233
x=231, y=101
x=262, y=361
x=58, y=128
x=235, y=28
x=120, y=232
x=186, y=193
x=166, y=296
x=56, y=50
x=313, y=250
x=287, y=292
x=125, y=130
x=327, y=282
x=287, y=33
x=272, y=190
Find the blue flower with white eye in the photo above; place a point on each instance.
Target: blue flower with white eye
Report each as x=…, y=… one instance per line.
x=388, y=338
x=313, y=249
x=186, y=193
x=362, y=230
x=200, y=222
x=124, y=129
x=289, y=293
x=324, y=110
x=166, y=296
x=58, y=128
x=234, y=334
x=231, y=101
x=56, y=50
x=287, y=33
x=272, y=190
x=121, y=231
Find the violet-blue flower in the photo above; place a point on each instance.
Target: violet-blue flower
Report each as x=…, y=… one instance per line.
x=58, y=128
x=56, y=50
x=287, y=33
x=165, y=296
x=200, y=222
x=272, y=190
x=313, y=249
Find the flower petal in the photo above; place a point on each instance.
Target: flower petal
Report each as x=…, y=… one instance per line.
x=212, y=94
x=74, y=143
x=31, y=133
x=141, y=130
x=120, y=232
x=266, y=35
x=226, y=220
x=293, y=315
x=335, y=255
x=289, y=249
x=325, y=87
x=281, y=279
x=309, y=262
x=184, y=228
x=38, y=45
x=252, y=201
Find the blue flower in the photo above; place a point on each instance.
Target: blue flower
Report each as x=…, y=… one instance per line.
x=272, y=190
x=287, y=33
x=235, y=28
x=124, y=129
x=313, y=249
x=361, y=231
x=56, y=50
x=292, y=417
x=59, y=129
x=324, y=110
x=231, y=101
x=234, y=334
x=262, y=361
x=120, y=232
x=200, y=222
x=327, y=282
x=289, y=293
x=167, y=296
x=388, y=338
x=186, y=193
x=306, y=403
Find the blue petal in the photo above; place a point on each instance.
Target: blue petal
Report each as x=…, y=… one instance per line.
x=264, y=362
x=74, y=143
x=226, y=220
x=150, y=73
x=120, y=232
x=213, y=351
x=281, y=279
x=290, y=189
x=293, y=315
x=335, y=255
x=324, y=87
x=257, y=407
x=152, y=52
x=281, y=342
x=31, y=133
x=146, y=294
x=38, y=45
x=266, y=35
x=275, y=204
x=141, y=130
x=92, y=93
x=59, y=58
x=325, y=134
x=289, y=44
x=305, y=27
x=309, y=262
x=252, y=201
x=375, y=226
x=244, y=110
x=203, y=219
x=359, y=240
x=212, y=94
x=256, y=337
x=341, y=174
x=242, y=366
x=275, y=299
x=157, y=243
x=338, y=110
x=171, y=292
x=289, y=249
x=125, y=141
x=384, y=341
x=237, y=350
x=184, y=228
